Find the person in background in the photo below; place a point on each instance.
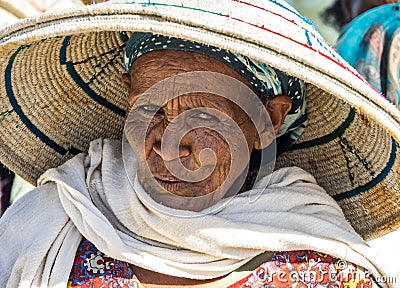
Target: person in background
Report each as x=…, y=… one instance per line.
x=371, y=44
x=342, y=12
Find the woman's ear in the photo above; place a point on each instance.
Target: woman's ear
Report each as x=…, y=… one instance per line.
x=277, y=107
x=126, y=79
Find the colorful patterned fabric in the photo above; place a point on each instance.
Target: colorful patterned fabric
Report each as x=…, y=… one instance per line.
x=264, y=79
x=94, y=269
x=370, y=43
x=309, y=269
x=306, y=269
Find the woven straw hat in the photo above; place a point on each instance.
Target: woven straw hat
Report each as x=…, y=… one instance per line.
x=60, y=89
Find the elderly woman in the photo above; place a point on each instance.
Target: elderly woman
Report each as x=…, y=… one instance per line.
x=188, y=197
x=371, y=44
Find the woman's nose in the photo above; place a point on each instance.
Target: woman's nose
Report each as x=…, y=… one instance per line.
x=168, y=152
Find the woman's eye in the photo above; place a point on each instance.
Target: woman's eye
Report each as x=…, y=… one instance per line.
x=149, y=108
x=205, y=116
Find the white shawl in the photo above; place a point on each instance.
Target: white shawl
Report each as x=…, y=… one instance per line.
x=39, y=234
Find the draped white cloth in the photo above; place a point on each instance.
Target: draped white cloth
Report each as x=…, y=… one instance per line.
x=40, y=233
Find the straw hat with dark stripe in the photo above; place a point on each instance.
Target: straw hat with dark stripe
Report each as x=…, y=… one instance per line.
x=60, y=89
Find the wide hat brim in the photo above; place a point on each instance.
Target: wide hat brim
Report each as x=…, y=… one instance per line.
x=61, y=89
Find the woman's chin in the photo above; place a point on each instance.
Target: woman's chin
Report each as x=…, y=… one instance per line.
x=181, y=195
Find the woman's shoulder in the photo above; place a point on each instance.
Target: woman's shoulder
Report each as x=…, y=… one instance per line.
x=38, y=210
x=25, y=227
x=34, y=203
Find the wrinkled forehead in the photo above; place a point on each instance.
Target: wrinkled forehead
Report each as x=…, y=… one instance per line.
x=263, y=78
x=198, y=74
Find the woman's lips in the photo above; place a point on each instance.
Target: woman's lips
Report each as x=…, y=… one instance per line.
x=167, y=178
x=171, y=184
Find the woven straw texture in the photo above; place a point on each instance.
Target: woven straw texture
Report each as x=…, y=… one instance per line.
x=60, y=88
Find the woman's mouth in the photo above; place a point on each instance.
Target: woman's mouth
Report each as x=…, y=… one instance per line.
x=171, y=184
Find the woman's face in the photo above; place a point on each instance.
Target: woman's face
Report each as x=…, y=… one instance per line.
x=198, y=131
x=353, y=8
